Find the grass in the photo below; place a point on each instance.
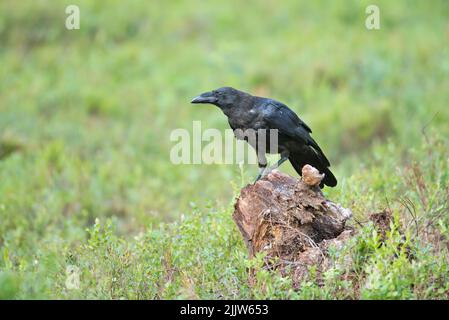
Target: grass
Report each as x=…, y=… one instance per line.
x=87, y=188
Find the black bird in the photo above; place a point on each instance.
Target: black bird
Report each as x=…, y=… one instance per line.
x=245, y=111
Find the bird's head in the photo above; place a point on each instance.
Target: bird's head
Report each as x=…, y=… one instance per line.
x=223, y=98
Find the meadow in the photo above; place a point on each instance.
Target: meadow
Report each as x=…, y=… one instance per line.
x=87, y=189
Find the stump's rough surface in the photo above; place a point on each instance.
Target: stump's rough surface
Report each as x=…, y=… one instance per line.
x=291, y=220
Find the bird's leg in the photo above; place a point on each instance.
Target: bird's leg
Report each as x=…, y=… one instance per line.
x=262, y=162
x=261, y=173
x=284, y=157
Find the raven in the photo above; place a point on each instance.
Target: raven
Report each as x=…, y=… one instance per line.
x=294, y=143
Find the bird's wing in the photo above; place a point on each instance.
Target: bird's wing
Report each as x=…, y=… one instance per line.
x=278, y=116
x=278, y=109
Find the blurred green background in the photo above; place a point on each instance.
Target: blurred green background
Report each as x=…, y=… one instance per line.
x=86, y=115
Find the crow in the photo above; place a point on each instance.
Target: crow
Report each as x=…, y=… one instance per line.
x=294, y=143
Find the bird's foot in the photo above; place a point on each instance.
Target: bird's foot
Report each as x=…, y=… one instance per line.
x=262, y=170
x=263, y=173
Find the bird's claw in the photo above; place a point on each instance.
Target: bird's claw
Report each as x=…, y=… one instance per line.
x=262, y=174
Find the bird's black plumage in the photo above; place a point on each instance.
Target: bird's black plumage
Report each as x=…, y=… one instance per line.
x=245, y=111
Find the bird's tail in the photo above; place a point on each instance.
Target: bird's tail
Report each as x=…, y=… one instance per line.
x=329, y=178
x=300, y=161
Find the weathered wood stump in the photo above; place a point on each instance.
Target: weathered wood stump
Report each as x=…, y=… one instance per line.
x=290, y=220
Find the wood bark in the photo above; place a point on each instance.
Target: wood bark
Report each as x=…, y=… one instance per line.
x=291, y=220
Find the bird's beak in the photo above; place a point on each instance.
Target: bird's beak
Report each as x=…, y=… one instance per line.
x=207, y=97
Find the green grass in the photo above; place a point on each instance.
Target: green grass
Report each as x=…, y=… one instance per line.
x=85, y=120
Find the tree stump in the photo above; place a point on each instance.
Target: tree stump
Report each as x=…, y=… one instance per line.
x=290, y=219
